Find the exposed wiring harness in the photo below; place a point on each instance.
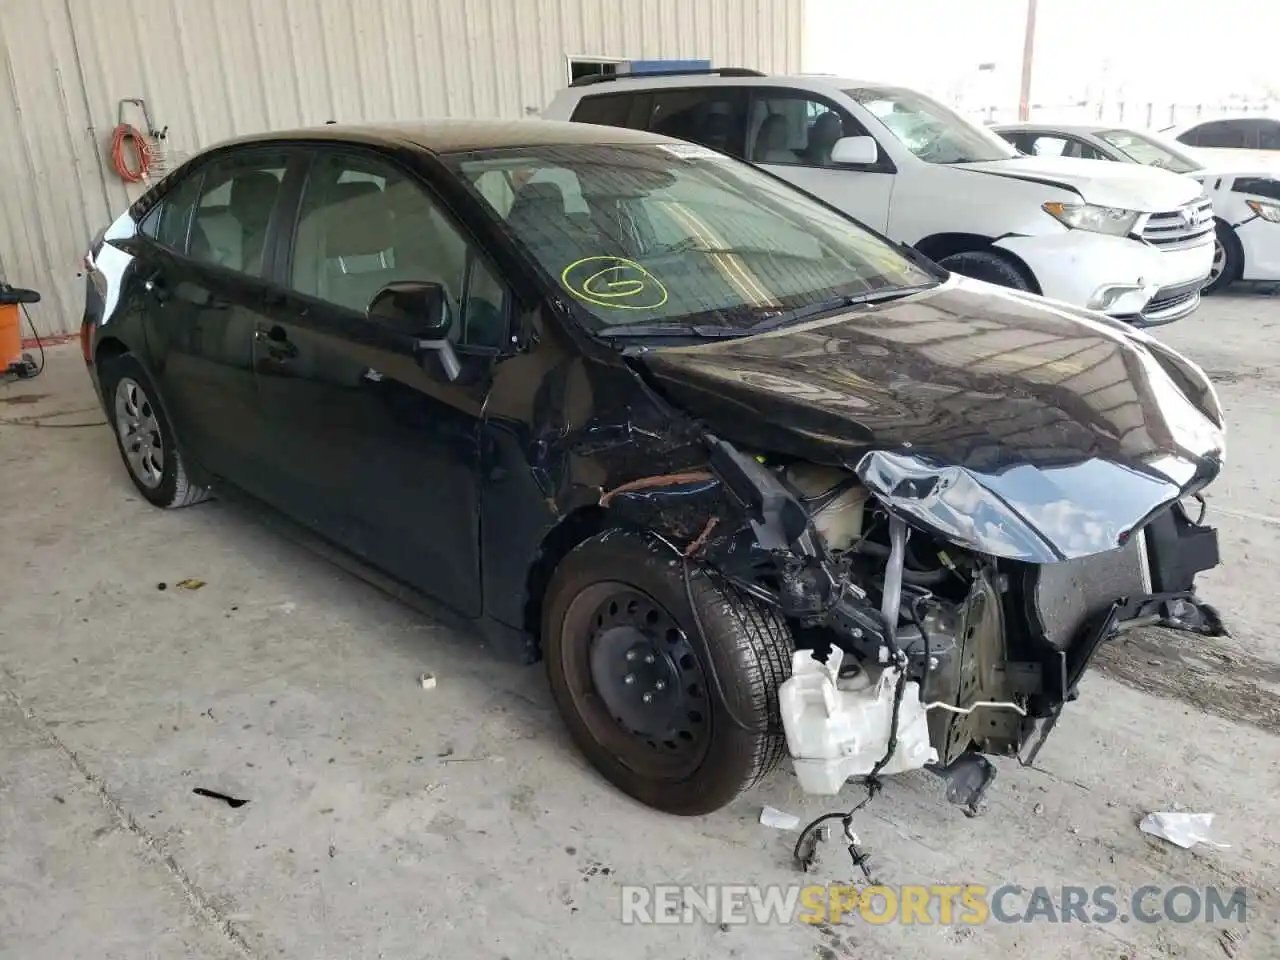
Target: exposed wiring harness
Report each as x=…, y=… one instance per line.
x=127, y=138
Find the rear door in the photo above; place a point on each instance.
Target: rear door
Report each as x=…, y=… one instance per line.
x=367, y=445
x=207, y=292
x=790, y=133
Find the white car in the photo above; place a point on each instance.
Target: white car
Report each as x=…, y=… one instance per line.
x=1229, y=133
x=1131, y=242
x=1244, y=186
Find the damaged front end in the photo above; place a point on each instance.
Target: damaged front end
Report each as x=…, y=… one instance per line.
x=937, y=615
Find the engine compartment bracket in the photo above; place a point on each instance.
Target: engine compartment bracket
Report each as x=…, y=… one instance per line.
x=968, y=776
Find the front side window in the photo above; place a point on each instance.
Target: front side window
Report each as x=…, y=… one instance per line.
x=932, y=132
x=658, y=233
x=1149, y=151
x=1048, y=145
x=791, y=128
x=237, y=196
x=364, y=224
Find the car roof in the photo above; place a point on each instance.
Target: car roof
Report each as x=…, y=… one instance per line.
x=459, y=136
x=1086, y=129
x=817, y=81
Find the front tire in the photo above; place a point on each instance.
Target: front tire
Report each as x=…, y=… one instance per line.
x=634, y=685
x=144, y=435
x=1228, y=259
x=987, y=265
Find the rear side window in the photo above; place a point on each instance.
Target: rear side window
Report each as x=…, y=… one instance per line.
x=713, y=116
x=608, y=110
x=236, y=200
x=169, y=221
x=1219, y=133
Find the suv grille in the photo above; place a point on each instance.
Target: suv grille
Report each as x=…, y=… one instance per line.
x=1187, y=226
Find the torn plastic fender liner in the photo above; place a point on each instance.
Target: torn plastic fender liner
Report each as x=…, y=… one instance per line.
x=1034, y=514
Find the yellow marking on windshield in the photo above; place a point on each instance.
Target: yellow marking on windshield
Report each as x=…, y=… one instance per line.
x=607, y=281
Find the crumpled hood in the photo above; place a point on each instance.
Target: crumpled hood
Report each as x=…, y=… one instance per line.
x=1008, y=424
x=1130, y=186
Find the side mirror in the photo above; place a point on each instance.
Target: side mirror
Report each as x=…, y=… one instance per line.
x=419, y=310
x=412, y=308
x=860, y=151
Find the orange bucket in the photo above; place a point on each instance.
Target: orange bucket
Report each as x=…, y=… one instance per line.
x=10, y=336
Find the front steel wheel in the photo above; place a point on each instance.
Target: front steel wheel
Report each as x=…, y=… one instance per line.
x=681, y=718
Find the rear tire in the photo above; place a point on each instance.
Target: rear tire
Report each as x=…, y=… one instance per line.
x=1228, y=259
x=987, y=265
x=144, y=435
x=683, y=753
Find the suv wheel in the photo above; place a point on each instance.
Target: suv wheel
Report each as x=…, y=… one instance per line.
x=1228, y=259
x=986, y=265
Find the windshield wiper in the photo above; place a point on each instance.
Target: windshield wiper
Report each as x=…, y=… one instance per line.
x=835, y=303
x=701, y=331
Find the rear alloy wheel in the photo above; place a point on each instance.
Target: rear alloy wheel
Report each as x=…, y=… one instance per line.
x=144, y=436
x=1228, y=259
x=634, y=683
x=987, y=265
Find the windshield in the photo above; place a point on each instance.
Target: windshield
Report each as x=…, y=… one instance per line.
x=676, y=233
x=932, y=132
x=1147, y=150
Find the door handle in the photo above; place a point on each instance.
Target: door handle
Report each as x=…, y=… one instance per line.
x=154, y=285
x=277, y=342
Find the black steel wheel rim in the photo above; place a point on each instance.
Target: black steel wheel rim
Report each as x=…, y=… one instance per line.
x=636, y=680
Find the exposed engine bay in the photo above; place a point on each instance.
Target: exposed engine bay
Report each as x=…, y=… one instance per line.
x=913, y=651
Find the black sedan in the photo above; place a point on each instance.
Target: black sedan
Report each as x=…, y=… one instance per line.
x=664, y=421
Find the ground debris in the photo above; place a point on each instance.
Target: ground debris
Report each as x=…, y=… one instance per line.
x=233, y=802
x=1183, y=829
x=191, y=583
x=779, y=819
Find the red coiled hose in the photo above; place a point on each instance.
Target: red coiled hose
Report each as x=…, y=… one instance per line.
x=128, y=137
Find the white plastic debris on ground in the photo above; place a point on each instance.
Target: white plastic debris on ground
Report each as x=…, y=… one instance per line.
x=837, y=729
x=780, y=819
x=1184, y=829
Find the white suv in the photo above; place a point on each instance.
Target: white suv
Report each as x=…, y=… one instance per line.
x=1130, y=241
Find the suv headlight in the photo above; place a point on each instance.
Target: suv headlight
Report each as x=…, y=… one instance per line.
x=1268, y=210
x=1089, y=216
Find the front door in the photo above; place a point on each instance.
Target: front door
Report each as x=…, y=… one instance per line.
x=790, y=133
x=372, y=446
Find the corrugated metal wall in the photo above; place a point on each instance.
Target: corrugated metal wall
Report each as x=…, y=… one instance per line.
x=212, y=70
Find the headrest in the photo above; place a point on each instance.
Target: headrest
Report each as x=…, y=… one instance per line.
x=534, y=199
x=827, y=128
x=358, y=225
x=773, y=131
x=253, y=194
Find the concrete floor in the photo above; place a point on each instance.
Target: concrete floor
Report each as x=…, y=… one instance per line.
x=388, y=821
